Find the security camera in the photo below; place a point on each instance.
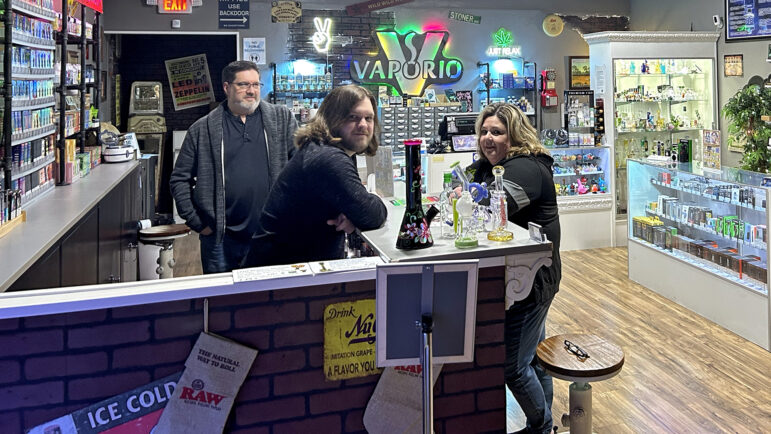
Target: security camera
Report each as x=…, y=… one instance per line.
x=717, y=20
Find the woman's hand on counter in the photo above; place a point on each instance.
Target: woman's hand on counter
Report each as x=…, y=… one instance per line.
x=341, y=223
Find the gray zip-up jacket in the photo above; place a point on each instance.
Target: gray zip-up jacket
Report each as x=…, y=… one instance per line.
x=198, y=179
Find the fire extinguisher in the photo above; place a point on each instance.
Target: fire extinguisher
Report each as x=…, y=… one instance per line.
x=549, y=88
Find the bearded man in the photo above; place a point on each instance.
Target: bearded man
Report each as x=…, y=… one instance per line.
x=228, y=162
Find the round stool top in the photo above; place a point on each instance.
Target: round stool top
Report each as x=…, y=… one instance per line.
x=605, y=359
x=164, y=231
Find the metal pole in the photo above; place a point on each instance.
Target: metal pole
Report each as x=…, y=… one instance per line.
x=428, y=389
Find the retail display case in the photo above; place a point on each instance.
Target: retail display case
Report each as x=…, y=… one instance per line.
x=660, y=89
x=300, y=85
x=700, y=238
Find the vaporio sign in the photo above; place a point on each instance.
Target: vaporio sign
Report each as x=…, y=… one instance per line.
x=410, y=62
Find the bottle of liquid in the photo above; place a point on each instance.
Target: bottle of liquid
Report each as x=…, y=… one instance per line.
x=445, y=208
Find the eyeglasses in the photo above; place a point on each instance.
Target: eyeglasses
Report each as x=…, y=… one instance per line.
x=243, y=85
x=575, y=349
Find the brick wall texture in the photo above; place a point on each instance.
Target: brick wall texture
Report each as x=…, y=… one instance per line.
x=53, y=365
x=353, y=37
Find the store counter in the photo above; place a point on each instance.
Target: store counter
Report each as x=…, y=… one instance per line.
x=52, y=215
x=124, y=335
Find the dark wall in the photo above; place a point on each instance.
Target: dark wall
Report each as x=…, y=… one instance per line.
x=142, y=59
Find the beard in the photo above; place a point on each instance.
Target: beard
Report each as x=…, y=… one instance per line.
x=247, y=107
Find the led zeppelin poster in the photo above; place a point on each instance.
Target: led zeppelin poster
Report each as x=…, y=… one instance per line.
x=349, y=340
x=189, y=81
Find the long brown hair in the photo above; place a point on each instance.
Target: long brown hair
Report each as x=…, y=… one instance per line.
x=522, y=135
x=333, y=113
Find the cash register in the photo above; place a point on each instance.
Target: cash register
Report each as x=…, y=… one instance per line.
x=458, y=143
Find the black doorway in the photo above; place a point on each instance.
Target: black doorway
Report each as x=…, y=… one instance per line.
x=142, y=59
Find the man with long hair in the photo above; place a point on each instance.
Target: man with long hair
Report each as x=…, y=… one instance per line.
x=319, y=197
x=228, y=162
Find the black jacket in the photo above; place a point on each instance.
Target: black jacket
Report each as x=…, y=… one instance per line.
x=531, y=197
x=197, y=181
x=318, y=184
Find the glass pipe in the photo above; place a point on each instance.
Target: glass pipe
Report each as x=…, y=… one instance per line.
x=465, y=209
x=499, y=209
x=445, y=208
x=414, y=232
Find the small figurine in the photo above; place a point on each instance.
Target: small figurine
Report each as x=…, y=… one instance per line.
x=582, y=188
x=603, y=186
x=595, y=188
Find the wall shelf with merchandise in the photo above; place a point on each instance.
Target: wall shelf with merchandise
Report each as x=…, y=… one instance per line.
x=77, y=82
x=511, y=80
x=711, y=230
x=27, y=151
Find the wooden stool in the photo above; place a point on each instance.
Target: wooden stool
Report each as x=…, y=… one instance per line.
x=605, y=361
x=163, y=236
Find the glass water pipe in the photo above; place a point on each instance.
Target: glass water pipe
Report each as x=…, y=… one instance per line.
x=499, y=209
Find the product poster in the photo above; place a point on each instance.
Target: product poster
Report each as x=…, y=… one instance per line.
x=214, y=372
x=349, y=340
x=254, y=50
x=733, y=65
x=466, y=99
x=136, y=411
x=711, y=149
x=189, y=81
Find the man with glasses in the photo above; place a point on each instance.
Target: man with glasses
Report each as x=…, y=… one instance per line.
x=227, y=165
x=318, y=197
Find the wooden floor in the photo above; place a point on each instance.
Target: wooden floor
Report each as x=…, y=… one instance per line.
x=683, y=373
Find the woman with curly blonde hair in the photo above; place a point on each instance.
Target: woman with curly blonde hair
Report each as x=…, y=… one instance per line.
x=506, y=138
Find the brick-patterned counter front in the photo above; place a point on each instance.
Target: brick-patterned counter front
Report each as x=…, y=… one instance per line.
x=52, y=365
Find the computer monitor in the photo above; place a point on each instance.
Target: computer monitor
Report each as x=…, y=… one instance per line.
x=464, y=143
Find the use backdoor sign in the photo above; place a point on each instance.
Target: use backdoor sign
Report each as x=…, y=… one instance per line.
x=233, y=14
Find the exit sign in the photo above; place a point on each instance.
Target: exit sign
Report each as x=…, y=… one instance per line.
x=175, y=6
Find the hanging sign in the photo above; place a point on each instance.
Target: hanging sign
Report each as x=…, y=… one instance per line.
x=466, y=18
x=426, y=65
x=254, y=50
x=175, y=6
x=189, y=81
x=92, y=4
x=349, y=340
x=135, y=411
x=233, y=14
x=286, y=12
x=372, y=5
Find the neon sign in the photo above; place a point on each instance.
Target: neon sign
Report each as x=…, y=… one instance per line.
x=502, y=40
x=323, y=36
x=426, y=64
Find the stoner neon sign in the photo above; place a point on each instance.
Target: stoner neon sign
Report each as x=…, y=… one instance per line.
x=409, y=62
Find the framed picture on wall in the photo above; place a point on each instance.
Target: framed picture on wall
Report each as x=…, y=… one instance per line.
x=733, y=65
x=578, y=72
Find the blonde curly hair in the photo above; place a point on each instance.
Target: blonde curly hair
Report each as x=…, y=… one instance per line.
x=522, y=136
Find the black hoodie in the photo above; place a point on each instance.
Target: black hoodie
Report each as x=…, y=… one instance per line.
x=531, y=197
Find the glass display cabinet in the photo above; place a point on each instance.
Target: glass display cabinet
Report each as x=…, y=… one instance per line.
x=700, y=238
x=659, y=94
x=661, y=107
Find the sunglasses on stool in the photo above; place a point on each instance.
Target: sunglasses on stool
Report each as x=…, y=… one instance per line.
x=575, y=349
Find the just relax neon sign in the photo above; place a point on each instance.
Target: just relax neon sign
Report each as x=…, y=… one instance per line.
x=409, y=62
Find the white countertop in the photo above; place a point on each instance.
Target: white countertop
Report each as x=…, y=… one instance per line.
x=383, y=241
x=52, y=215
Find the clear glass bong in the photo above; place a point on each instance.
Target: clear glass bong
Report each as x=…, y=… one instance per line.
x=499, y=209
